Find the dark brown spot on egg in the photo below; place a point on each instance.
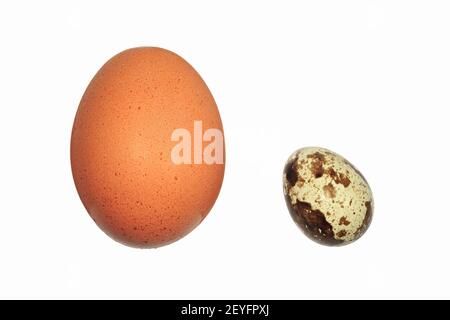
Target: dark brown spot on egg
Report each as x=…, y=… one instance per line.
x=344, y=180
x=318, y=160
x=338, y=178
x=344, y=221
x=332, y=174
x=341, y=234
x=312, y=223
x=367, y=220
x=329, y=191
x=317, y=156
x=291, y=173
x=301, y=181
x=291, y=170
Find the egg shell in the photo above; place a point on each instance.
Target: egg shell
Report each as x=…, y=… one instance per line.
x=328, y=198
x=121, y=148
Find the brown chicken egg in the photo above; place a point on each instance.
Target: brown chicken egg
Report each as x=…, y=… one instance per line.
x=328, y=198
x=147, y=148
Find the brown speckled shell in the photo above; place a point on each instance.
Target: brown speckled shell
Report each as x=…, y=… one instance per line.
x=327, y=197
x=121, y=148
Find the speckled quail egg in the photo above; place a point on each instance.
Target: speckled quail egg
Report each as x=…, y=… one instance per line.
x=328, y=198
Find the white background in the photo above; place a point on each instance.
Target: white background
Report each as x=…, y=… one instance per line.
x=367, y=79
